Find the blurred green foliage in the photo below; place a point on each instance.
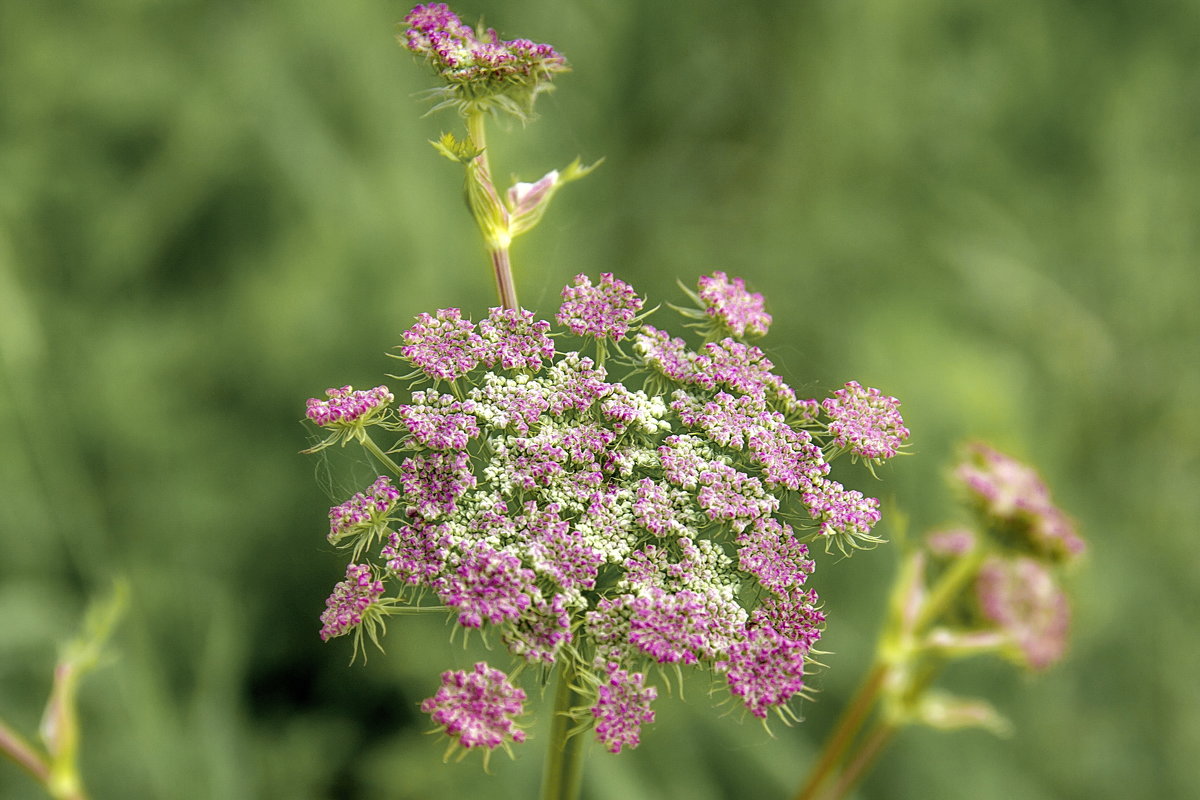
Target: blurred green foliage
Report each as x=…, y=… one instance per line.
x=210, y=211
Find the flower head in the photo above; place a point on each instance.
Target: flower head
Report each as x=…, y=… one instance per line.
x=478, y=707
x=1022, y=598
x=444, y=347
x=349, y=604
x=605, y=310
x=479, y=68
x=622, y=707
x=728, y=302
x=1012, y=493
x=866, y=422
x=345, y=406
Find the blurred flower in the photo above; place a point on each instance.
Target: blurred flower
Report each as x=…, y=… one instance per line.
x=1021, y=597
x=1010, y=492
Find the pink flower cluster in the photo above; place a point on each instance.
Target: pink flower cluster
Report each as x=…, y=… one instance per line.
x=617, y=527
x=478, y=708
x=1009, y=491
x=345, y=405
x=866, y=422
x=605, y=310
x=363, y=509
x=346, y=607
x=460, y=56
x=1021, y=597
x=729, y=303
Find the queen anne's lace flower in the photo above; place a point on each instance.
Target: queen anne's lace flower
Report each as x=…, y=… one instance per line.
x=613, y=526
x=347, y=606
x=478, y=708
x=1022, y=598
x=605, y=310
x=345, y=405
x=866, y=422
x=727, y=301
x=1011, y=492
x=622, y=708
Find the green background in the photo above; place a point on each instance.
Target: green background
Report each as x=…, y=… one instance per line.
x=211, y=211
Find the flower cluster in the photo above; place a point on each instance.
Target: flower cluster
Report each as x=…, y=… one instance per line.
x=654, y=508
x=345, y=406
x=730, y=304
x=477, y=708
x=478, y=66
x=1012, y=493
x=602, y=311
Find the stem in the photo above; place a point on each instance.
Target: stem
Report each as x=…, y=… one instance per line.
x=947, y=589
x=374, y=450
x=505, y=287
x=23, y=754
x=564, y=755
x=880, y=735
x=498, y=250
x=843, y=735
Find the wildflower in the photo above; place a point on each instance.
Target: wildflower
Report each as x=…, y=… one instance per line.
x=514, y=340
x=729, y=303
x=477, y=708
x=350, y=603
x=622, y=707
x=365, y=515
x=605, y=310
x=577, y=516
x=865, y=422
x=444, y=347
x=438, y=421
x=766, y=669
x=1010, y=492
x=1021, y=597
x=481, y=70
x=345, y=406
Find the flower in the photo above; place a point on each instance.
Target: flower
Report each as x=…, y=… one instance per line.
x=345, y=406
x=605, y=310
x=478, y=707
x=866, y=422
x=1012, y=493
x=349, y=604
x=729, y=303
x=1021, y=597
x=444, y=347
x=480, y=69
x=622, y=707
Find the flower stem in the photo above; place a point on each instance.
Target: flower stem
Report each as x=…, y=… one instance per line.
x=843, y=735
x=383, y=457
x=22, y=754
x=497, y=239
x=563, y=775
x=505, y=287
x=876, y=741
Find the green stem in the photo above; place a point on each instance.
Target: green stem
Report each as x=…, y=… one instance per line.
x=497, y=240
x=843, y=735
x=13, y=745
x=862, y=762
x=374, y=450
x=947, y=589
x=563, y=775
